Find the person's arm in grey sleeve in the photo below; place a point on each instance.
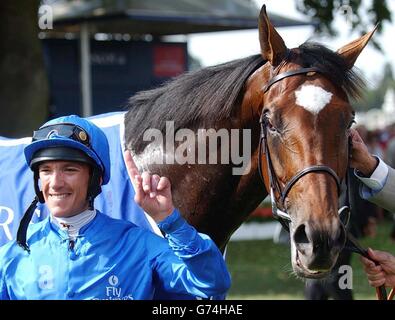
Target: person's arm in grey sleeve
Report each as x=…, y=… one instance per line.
x=377, y=177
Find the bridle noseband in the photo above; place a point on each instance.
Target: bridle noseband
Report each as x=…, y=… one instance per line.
x=282, y=215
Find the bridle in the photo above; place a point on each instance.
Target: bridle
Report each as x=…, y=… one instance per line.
x=282, y=215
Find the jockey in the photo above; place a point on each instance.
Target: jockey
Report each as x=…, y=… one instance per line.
x=78, y=252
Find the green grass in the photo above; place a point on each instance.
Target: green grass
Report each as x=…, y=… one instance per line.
x=261, y=270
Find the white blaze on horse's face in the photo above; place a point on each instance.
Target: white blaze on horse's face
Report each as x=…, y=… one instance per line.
x=312, y=98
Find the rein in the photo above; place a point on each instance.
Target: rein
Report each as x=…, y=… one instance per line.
x=282, y=215
x=353, y=246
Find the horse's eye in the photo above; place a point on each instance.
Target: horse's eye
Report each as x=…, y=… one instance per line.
x=271, y=127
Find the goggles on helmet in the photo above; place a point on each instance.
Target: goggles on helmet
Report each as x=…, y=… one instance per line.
x=66, y=130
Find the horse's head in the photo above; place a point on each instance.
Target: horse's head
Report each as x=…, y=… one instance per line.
x=301, y=96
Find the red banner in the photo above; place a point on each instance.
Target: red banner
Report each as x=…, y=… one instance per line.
x=169, y=61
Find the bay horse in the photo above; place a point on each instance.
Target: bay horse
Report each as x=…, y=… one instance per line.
x=295, y=105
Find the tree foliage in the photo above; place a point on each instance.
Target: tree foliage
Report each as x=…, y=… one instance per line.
x=374, y=97
x=361, y=16
x=23, y=79
x=359, y=13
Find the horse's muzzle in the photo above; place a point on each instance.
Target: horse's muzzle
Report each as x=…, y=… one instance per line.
x=315, y=251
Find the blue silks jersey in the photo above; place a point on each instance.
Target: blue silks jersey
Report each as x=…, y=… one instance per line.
x=112, y=260
x=116, y=199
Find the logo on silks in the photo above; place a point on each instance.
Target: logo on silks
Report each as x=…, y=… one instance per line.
x=113, y=291
x=113, y=280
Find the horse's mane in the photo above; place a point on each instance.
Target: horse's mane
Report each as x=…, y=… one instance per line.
x=207, y=95
x=201, y=98
x=332, y=66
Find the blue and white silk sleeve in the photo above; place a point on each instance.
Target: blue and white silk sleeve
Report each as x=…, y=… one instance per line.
x=182, y=237
x=375, y=183
x=194, y=264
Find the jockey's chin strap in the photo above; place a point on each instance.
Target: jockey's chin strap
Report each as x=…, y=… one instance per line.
x=24, y=224
x=281, y=214
x=27, y=217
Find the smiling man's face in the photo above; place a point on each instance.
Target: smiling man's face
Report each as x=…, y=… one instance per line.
x=65, y=186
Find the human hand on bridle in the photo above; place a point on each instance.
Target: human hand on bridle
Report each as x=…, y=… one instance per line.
x=384, y=272
x=152, y=192
x=361, y=159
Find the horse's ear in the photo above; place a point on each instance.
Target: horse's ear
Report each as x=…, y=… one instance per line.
x=273, y=48
x=351, y=51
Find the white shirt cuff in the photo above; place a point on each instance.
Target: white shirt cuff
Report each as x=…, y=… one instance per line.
x=378, y=178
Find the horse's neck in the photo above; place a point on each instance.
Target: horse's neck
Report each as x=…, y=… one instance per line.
x=210, y=196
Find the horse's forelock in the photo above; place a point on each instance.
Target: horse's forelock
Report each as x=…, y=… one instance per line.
x=332, y=66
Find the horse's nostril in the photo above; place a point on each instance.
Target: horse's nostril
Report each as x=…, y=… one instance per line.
x=300, y=235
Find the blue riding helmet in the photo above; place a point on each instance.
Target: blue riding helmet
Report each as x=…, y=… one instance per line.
x=70, y=132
